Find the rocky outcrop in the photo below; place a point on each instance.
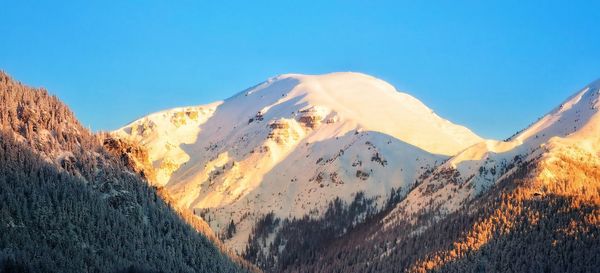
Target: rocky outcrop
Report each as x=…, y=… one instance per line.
x=133, y=156
x=282, y=132
x=310, y=118
x=143, y=129
x=181, y=118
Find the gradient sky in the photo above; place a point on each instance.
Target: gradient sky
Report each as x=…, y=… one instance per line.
x=493, y=67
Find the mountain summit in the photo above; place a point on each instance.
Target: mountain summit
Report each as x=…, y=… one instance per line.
x=292, y=144
x=365, y=102
x=527, y=204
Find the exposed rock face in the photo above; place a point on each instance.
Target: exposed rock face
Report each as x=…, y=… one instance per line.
x=181, y=118
x=167, y=154
x=285, y=131
x=132, y=155
x=279, y=124
x=145, y=129
x=310, y=118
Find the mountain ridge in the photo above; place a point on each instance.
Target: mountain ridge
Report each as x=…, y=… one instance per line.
x=571, y=124
x=326, y=136
x=498, y=206
x=294, y=175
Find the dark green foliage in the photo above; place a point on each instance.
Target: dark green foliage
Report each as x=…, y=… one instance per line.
x=9, y=265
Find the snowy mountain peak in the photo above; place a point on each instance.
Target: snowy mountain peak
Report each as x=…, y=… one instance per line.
x=573, y=115
x=371, y=103
x=292, y=144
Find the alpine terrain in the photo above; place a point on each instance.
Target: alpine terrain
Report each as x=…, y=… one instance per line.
x=291, y=145
x=530, y=203
x=336, y=173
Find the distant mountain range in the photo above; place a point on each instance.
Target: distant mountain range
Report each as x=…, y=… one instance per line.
x=314, y=173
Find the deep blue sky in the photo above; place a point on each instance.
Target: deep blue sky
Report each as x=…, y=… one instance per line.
x=494, y=67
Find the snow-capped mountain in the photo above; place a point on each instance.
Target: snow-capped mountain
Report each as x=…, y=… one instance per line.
x=292, y=144
x=570, y=130
x=527, y=204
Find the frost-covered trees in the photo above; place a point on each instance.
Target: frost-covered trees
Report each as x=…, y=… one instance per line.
x=298, y=241
x=511, y=228
x=67, y=205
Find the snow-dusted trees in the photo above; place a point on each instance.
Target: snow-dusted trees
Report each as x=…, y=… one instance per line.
x=298, y=241
x=67, y=205
x=511, y=228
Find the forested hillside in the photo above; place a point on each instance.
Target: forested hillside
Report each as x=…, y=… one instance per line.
x=530, y=203
x=523, y=224
x=68, y=205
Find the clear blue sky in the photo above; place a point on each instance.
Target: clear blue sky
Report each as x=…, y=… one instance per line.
x=494, y=67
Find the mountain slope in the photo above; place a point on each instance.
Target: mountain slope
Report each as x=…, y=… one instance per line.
x=571, y=128
x=67, y=205
x=512, y=227
x=291, y=145
x=529, y=204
